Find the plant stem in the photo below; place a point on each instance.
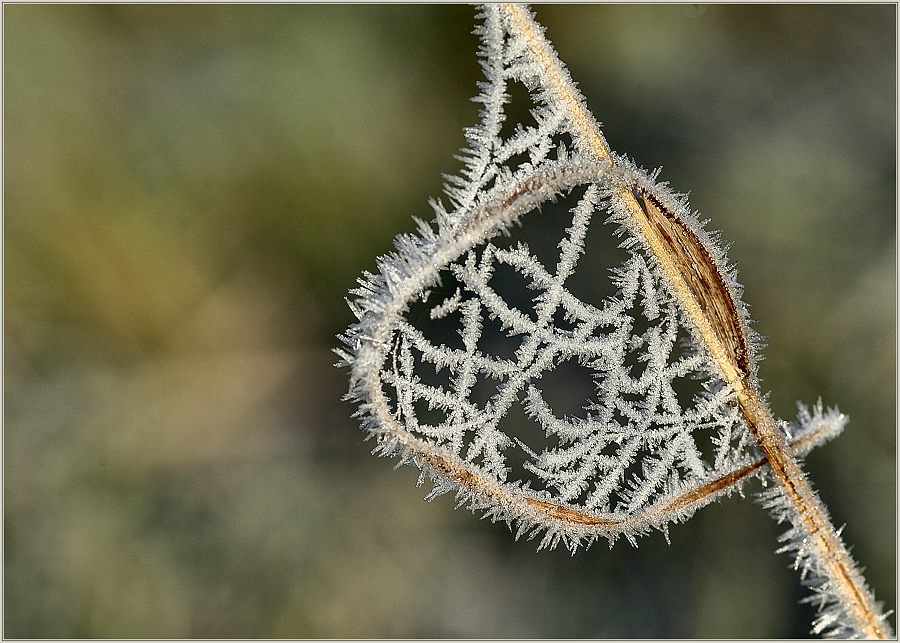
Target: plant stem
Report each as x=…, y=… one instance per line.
x=809, y=515
x=832, y=561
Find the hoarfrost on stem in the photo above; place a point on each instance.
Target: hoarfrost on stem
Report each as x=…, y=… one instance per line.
x=639, y=452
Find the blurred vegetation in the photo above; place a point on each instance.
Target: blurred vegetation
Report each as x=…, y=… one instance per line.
x=190, y=192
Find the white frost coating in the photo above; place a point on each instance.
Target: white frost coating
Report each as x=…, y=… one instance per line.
x=625, y=464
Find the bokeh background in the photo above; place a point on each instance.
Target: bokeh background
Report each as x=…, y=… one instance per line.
x=190, y=191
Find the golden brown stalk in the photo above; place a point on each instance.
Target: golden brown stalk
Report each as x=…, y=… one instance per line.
x=699, y=286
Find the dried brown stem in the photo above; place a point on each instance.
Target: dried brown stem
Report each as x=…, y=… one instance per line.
x=698, y=284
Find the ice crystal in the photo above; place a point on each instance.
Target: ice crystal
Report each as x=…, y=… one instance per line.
x=640, y=451
x=472, y=339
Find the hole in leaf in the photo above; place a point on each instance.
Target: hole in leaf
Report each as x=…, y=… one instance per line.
x=517, y=109
x=517, y=424
x=542, y=230
x=428, y=417
x=513, y=288
x=591, y=282
x=482, y=391
x=562, y=320
x=567, y=389
x=516, y=161
x=429, y=374
x=496, y=342
x=442, y=331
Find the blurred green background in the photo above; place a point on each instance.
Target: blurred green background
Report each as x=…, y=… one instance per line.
x=191, y=190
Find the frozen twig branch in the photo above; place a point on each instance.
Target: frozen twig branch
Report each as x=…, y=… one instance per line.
x=640, y=457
